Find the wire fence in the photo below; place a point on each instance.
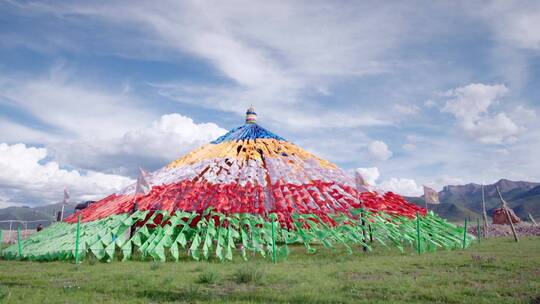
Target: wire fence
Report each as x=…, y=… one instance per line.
x=9, y=236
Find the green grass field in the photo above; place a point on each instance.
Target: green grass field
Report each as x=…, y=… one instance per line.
x=495, y=271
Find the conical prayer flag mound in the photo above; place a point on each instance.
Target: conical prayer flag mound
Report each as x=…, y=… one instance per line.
x=249, y=189
x=249, y=170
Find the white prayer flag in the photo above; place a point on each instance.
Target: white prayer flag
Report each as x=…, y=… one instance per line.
x=431, y=196
x=361, y=184
x=66, y=195
x=142, y=184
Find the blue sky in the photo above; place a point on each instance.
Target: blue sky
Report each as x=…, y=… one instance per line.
x=412, y=93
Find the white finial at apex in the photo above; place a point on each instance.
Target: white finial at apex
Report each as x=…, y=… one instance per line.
x=251, y=116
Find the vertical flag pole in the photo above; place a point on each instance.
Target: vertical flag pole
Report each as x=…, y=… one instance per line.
x=484, y=213
x=362, y=186
x=508, y=217
x=465, y=234
x=418, y=248
x=363, y=224
x=478, y=229
x=19, y=240
x=77, y=235
x=62, y=212
x=274, y=240
x=532, y=219
x=9, y=233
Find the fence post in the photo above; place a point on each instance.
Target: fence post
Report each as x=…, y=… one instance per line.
x=19, y=240
x=1, y=240
x=77, y=235
x=274, y=257
x=478, y=229
x=418, y=247
x=465, y=234
x=9, y=235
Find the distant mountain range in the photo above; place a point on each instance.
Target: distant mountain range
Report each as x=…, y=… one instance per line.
x=47, y=212
x=457, y=203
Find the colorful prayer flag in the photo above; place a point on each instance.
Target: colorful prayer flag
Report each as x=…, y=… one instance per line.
x=361, y=184
x=431, y=196
x=142, y=184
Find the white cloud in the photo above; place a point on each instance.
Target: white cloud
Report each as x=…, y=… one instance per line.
x=493, y=130
x=429, y=103
x=370, y=175
x=402, y=186
x=406, y=109
x=514, y=23
x=470, y=105
x=324, y=44
x=69, y=106
x=471, y=101
x=409, y=147
x=15, y=132
x=278, y=105
x=523, y=114
x=412, y=140
x=172, y=132
x=26, y=176
x=156, y=144
x=379, y=150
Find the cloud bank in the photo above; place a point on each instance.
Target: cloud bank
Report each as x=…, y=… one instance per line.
x=27, y=176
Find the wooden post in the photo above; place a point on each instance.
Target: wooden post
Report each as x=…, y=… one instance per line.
x=484, y=213
x=362, y=220
x=418, y=240
x=465, y=234
x=511, y=225
x=505, y=209
x=62, y=212
x=132, y=229
x=532, y=219
x=478, y=229
x=77, y=235
x=274, y=256
x=9, y=235
x=363, y=224
x=19, y=240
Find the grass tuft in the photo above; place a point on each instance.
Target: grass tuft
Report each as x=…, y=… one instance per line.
x=92, y=260
x=247, y=275
x=3, y=292
x=207, y=277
